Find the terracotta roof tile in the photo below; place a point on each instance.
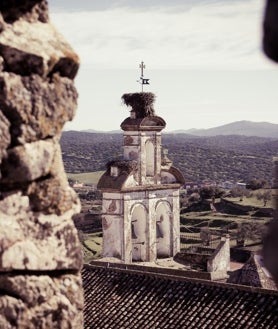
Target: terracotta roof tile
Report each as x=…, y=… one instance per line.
x=124, y=299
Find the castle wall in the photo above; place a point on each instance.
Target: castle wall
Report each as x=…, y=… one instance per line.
x=40, y=255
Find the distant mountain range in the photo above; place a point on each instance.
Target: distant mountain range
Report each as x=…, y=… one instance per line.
x=243, y=128
x=93, y=131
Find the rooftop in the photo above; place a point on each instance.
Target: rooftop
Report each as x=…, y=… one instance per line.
x=132, y=298
x=149, y=123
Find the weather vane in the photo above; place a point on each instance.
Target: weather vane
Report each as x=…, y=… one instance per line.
x=142, y=80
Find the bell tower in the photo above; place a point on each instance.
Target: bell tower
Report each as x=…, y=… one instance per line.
x=142, y=143
x=140, y=211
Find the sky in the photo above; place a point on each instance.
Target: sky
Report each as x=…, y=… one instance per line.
x=203, y=58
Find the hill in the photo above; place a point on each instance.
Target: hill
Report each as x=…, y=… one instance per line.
x=217, y=158
x=244, y=128
x=87, y=152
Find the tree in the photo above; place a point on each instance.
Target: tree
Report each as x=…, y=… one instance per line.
x=264, y=196
x=249, y=230
x=255, y=184
x=71, y=181
x=208, y=192
x=205, y=236
x=239, y=192
x=194, y=197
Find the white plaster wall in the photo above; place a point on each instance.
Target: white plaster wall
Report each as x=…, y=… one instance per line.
x=119, y=209
x=131, y=181
x=163, y=229
x=135, y=149
x=150, y=158
x=112, y=227
x=112, y=203
x=131, y=202
x=135, y=196
x=176, y=221
x=142, y=164
x=158, y=156
x=131, y=146
x=134, y=135
x=220, y=260
x=131, y=153
x=154, y=138
x=139, y=233
x=152, y=201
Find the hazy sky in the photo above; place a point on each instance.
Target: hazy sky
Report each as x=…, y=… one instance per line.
x=203, y=59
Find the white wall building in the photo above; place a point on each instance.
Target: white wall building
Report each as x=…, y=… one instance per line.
x=141, y=212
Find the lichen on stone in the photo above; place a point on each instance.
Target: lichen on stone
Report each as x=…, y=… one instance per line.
x=40, y=254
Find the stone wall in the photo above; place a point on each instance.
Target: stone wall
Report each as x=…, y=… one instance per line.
x=40, y=255
x=220, y=259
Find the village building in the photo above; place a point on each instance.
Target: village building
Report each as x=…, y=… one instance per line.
x=135, y=285
x=140, y=226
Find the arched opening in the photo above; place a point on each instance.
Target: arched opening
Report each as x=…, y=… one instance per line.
x=138, y=233
x=163, y=230
x=150, y=158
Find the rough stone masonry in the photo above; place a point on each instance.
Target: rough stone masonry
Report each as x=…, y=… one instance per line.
x=40, y=255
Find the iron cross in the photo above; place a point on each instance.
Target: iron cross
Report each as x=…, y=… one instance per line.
x=143, y=81
x=142, y=66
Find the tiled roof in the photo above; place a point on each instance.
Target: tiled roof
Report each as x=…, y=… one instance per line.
x=129, y=299
x=144, y=124
x=253, y=274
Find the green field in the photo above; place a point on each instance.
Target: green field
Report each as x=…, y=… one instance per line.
x=92, y=246
x=87, y=178
x=252, y=200
x=217, y=224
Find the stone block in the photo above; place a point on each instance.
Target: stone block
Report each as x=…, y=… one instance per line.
x=37, y=108
x=30, y=10
x=4, y=136
x=36, y=48
x=28, y=162
x=41, y=302
x=52, y=196
x=35, y=241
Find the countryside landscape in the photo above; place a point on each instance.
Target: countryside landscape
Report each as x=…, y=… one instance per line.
x=228, y=182
x=170, y=222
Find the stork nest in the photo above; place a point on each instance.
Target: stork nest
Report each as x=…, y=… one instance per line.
x=141, y=103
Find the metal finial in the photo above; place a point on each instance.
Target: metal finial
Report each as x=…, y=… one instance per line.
x=143, y=81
